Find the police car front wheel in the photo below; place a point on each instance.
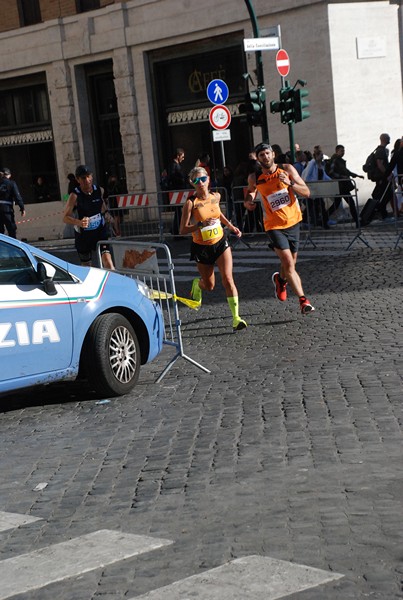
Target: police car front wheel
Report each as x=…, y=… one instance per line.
x=112, y=355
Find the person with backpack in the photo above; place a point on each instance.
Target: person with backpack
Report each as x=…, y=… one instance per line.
x=9, y=193
x=376, y=168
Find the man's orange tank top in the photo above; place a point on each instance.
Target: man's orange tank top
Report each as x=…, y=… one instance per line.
x=203, y=210
x=280, y=205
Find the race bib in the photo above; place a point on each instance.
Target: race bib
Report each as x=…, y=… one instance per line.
x=94, y=222
x=278, y=199
x=212, y=232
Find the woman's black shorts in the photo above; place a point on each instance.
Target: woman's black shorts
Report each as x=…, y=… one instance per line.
x=208, y=255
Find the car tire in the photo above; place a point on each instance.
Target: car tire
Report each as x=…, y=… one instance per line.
x=112, y=355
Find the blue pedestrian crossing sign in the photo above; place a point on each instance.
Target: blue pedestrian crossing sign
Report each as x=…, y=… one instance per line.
x=217, y=91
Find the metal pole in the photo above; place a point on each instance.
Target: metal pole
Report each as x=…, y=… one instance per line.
x=259, y=69
x=292, y=143
x=222, y=154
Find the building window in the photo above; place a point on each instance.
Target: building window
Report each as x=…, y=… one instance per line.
x=29, y=11
x=85, y=5
x=25, y=108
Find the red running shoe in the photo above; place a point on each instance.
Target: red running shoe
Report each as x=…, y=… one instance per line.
x=280, y=289
x=306, y=306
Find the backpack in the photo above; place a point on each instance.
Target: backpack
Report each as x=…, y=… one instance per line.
x=370, y=166
x=329, y=167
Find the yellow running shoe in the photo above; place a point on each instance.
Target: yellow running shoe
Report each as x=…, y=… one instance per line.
x=238, y=324
x=196, y=292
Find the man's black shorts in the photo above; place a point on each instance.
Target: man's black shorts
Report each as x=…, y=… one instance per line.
x=285, y=239
x=86, y=242
x=208, y=255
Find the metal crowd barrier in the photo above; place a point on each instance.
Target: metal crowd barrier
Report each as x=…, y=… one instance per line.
x=398, y=207
x=152, y=215
x=146, y=262
x=325, y=200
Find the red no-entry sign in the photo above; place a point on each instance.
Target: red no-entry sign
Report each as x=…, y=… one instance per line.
x=283, y=63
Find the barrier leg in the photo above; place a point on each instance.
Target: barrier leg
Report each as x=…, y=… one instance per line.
x=398, y=240
x=173, y=361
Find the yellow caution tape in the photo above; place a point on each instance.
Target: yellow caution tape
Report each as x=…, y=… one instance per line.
x=187, y=301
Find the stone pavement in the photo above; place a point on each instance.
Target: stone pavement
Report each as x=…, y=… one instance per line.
x=291, y=449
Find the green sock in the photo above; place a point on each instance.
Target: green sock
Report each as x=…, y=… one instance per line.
x=234, y=306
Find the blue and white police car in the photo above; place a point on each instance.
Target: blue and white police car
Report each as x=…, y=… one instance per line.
x=59, y=321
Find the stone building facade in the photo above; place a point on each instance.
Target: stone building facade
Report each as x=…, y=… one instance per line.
x=119, y=85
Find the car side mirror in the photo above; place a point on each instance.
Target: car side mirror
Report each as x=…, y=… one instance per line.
x=45, y=274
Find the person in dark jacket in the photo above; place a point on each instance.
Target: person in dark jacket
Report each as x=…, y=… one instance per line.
x=9, y=194
x=176, y=182
x=338, y=170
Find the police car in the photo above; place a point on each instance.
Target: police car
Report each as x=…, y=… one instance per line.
x=59, y=321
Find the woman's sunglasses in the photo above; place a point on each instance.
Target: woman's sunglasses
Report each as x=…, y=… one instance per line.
x=203, y=179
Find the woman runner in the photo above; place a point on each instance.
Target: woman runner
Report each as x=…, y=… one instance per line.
x=202, y=217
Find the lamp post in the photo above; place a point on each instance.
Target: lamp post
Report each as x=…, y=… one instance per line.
x=259, y=70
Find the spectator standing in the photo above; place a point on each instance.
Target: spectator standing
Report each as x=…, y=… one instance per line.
x=338, y=170
x=253, y=220
x=176, y=177
x=204, y=161
x=226, y=182
x=383, y=187
x=73, y=183
x=315, y=171
x=282, y=216
x=41, y=190
x=176, y=182
x=300, y=161
x=113, y=189
x=395, y=168
x=9, y=194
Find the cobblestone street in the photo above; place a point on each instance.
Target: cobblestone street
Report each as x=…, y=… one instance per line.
x=290, y=449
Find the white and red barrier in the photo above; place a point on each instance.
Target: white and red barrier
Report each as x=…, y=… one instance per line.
x=132, y=200
x=179, y=197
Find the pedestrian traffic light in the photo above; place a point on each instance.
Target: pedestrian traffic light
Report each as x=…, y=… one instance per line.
x=253, y=106
x=301, y=104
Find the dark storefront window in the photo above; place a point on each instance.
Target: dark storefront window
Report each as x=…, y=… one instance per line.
x=85, y=5
x=180, y=96
x=183, y=81
x=26, y=107
x=29, y=12
x=106, y=125
x=26, y=146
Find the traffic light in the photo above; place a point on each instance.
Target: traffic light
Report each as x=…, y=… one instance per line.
x=253, y=106
x=301, y=104
x=287, y=98
x=276, y=106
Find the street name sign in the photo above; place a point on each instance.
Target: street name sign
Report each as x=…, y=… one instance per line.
x=257, y=44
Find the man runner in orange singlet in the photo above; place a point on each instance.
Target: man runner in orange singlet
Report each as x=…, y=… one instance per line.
x=281, y=217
